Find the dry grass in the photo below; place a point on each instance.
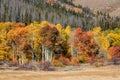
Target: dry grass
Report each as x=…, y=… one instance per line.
x=102, y=73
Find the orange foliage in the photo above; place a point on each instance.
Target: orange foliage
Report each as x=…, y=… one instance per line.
x=75, y=60
x=85, y=43
x=15, y=60
x=114, y=52
x=64, y=60
x=19, y=25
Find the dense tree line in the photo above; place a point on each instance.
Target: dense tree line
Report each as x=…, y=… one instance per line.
x=44, y=41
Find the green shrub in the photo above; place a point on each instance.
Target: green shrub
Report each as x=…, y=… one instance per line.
x=98, y=64
x=58, y=64
x=82, y=59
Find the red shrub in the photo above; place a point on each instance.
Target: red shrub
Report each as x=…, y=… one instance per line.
x=114, y=52
x=75, y=60
x=85, y=43
x=15, y=60
x=64, y=60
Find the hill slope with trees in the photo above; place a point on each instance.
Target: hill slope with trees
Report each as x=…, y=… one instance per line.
x=55, y=11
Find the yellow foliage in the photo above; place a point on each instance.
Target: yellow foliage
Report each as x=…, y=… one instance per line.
x=100, y=39
x=44, y=23
x=96, y=30
x=59, y=27
x=114, y=38
x=95, y=13
x=76, y=9
x=67, y=30
x=2, y=54
x=6, y=25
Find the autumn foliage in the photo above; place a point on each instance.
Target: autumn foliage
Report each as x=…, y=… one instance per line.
x=114, y=52
x=85, y=43
x=44, y=41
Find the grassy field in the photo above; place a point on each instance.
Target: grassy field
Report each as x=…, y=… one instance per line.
x=96, y=73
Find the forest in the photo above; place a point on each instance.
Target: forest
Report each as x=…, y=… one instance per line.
x=57, y=31
x=55, y=11
x=20, y=43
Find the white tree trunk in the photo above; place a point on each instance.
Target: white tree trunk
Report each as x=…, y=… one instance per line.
x=51, y=54
x=45, y=55
x=72, y=50
x=13, y=51
x=43, y=51
x=48, y=54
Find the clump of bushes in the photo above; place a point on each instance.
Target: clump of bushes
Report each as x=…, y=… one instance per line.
x=98, y=64
x=62, y=61
x=114, y=52
x=57, y=63
x=82, y=59
x=74, y=61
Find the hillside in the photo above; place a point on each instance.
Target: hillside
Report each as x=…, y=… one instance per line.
x=54, y=11
x=39, y=10
x=111, y=6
